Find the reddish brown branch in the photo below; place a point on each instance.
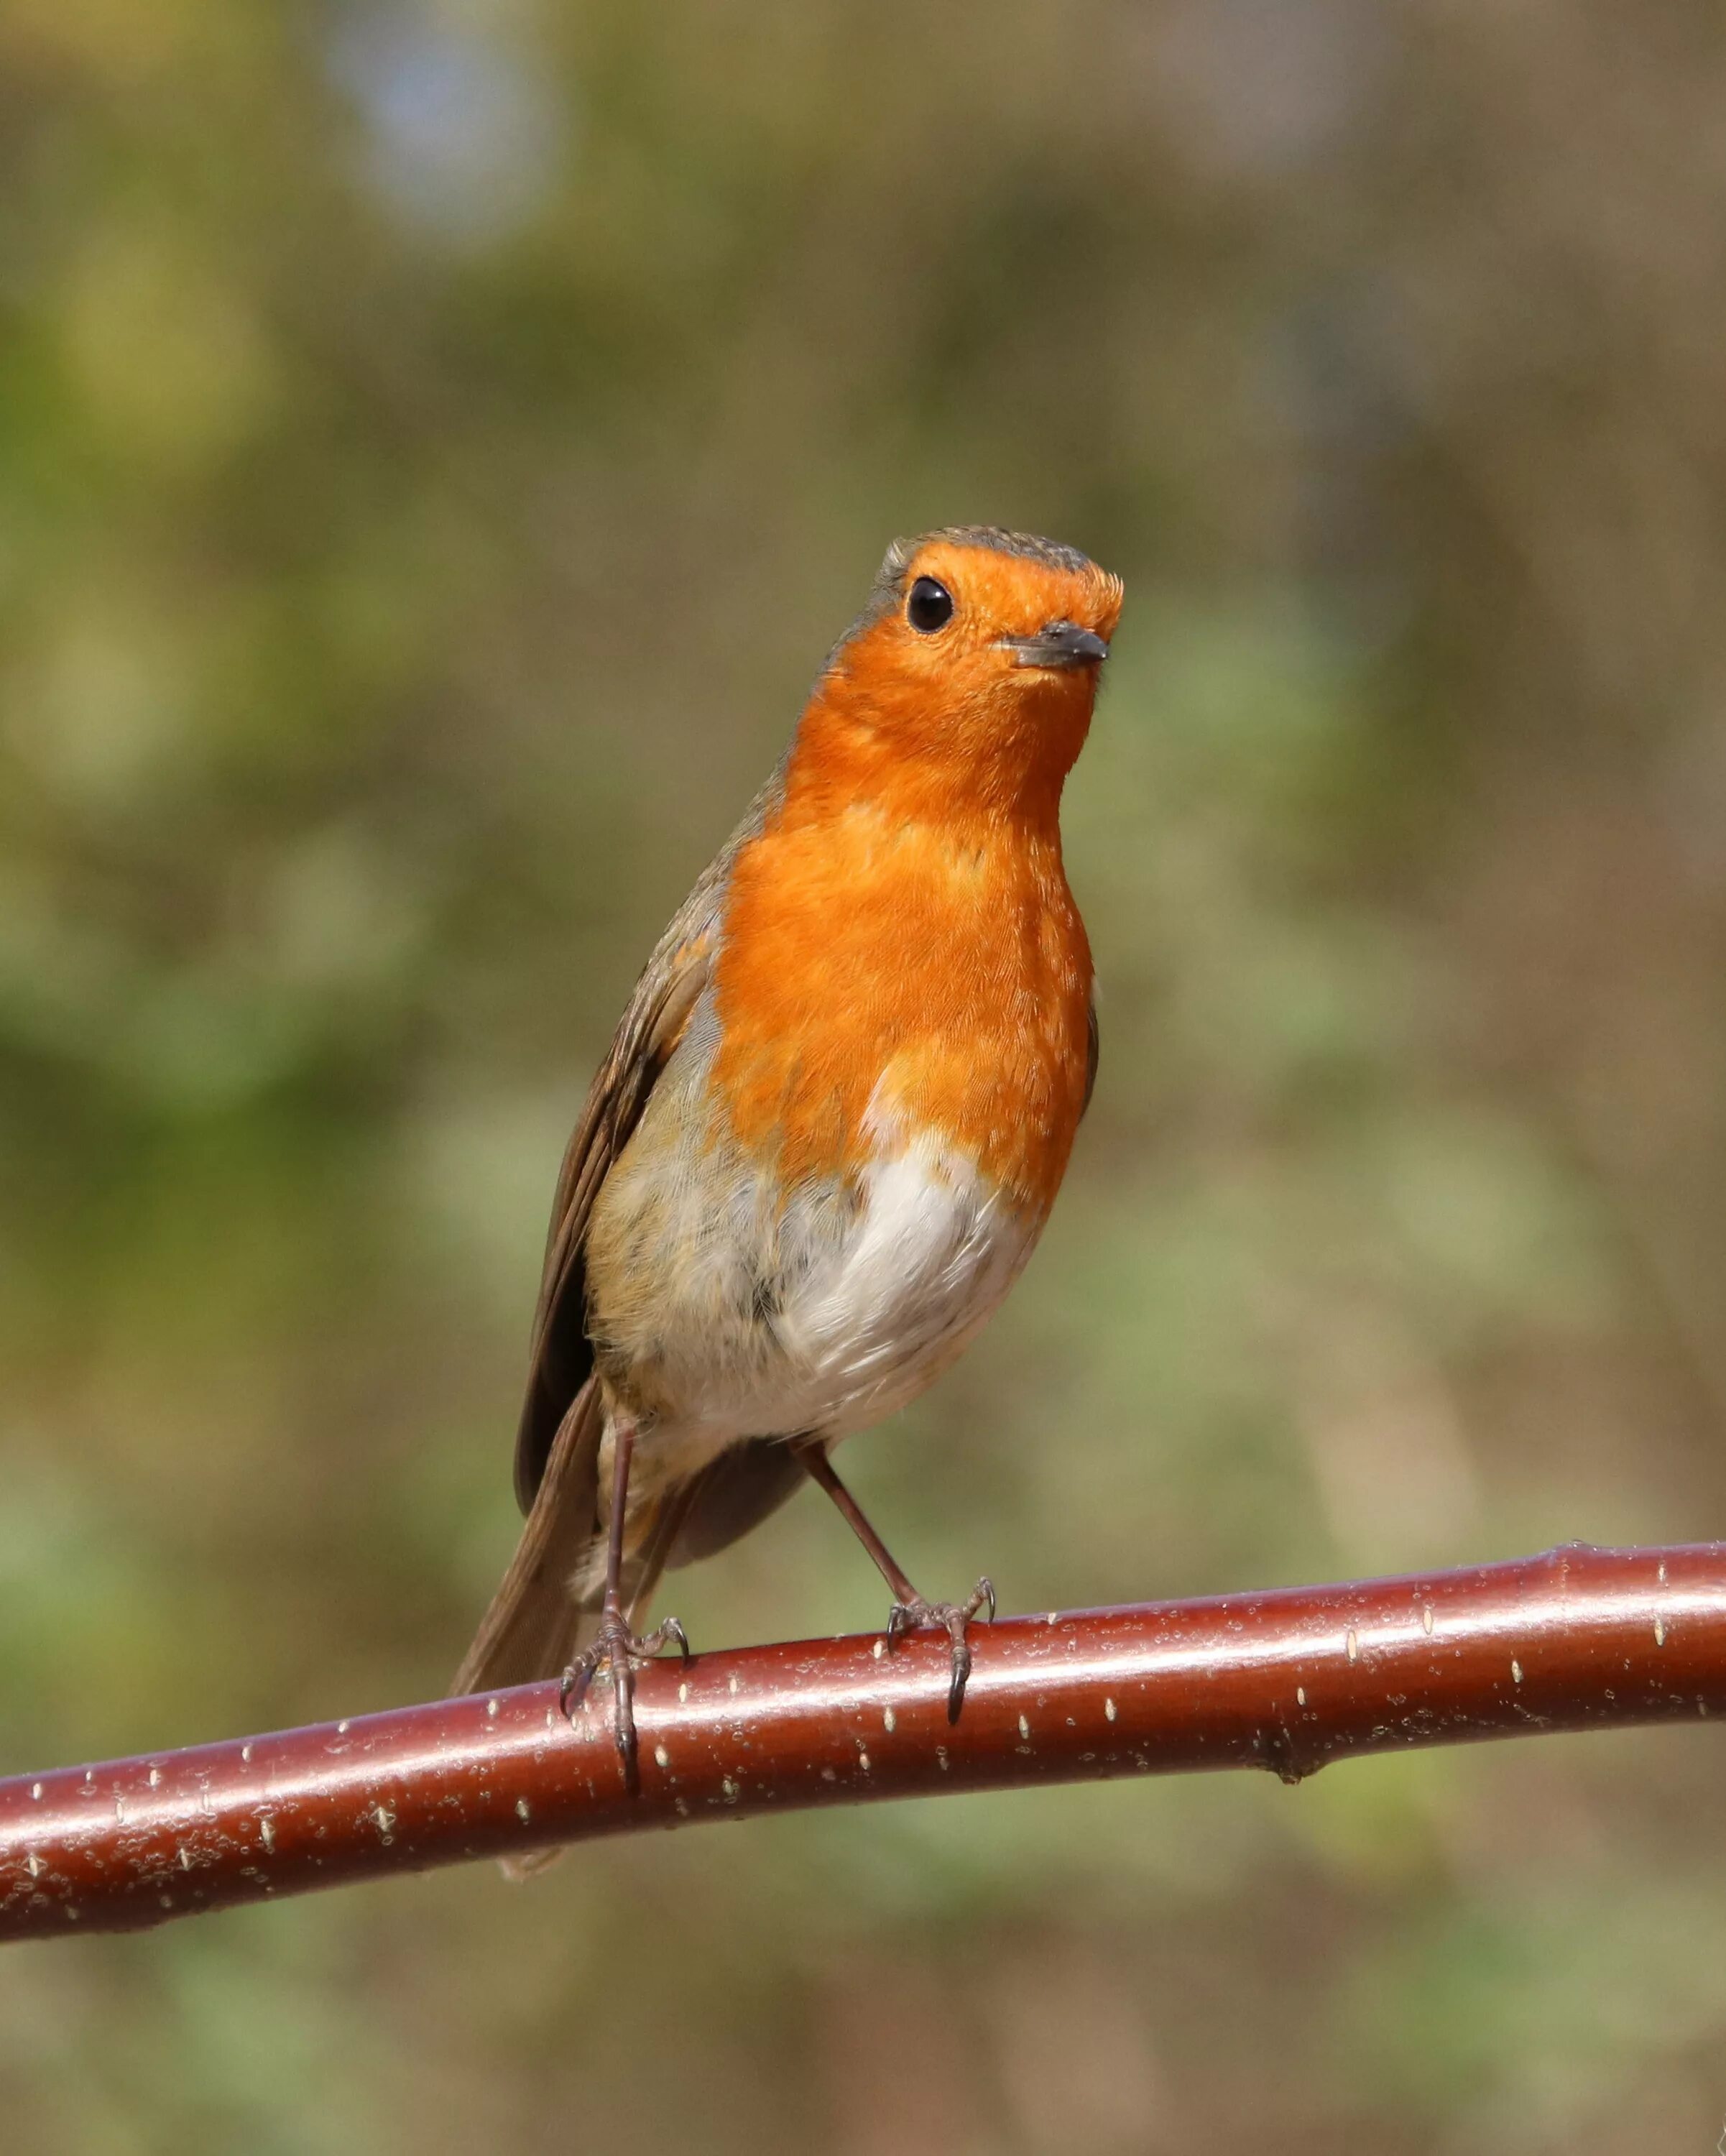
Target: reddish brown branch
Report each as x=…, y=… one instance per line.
x=1579, y=1639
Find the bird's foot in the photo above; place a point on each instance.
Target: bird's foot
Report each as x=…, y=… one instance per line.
x=953, y=1617
x=617, y=1649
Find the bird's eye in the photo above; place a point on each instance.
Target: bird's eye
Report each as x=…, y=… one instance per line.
x=929, y=606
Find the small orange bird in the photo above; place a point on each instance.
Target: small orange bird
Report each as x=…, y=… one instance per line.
x=832, y=1121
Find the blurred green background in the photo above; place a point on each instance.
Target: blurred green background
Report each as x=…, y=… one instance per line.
x=438, y=444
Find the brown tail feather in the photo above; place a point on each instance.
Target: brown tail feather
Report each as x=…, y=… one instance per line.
x=537, y=1625
x=534, y=1627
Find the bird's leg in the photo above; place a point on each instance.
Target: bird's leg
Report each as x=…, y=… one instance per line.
x=614, y=1644
x=909, y=1608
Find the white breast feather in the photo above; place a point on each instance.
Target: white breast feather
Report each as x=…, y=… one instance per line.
x=873, y=1294
x=933, y=1250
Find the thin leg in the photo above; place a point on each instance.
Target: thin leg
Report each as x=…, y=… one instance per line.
x=622, y=1452
x=909, y=1608
x=813, y=1454
x=614, y=1644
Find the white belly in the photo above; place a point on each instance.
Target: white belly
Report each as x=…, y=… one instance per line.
x=929, y=1256
x=759, y=1314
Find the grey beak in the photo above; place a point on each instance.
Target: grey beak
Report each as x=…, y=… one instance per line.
x=1062, y=645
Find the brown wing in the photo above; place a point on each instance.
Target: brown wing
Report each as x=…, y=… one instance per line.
x=561, y=1356
x=653, y=1023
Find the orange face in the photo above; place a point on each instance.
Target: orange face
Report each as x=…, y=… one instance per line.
x=976, y=665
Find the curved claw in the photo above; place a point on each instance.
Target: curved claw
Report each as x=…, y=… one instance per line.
x=572, y=1685
x=953, y=1617
x=616, y=1648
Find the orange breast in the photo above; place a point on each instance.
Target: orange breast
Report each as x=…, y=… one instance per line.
x=936, y=967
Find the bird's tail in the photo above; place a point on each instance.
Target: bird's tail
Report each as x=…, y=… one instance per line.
x=536, y=1623
x=547, y=1604
x=546, y=1608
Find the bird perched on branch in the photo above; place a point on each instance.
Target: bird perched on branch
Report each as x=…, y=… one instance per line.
x=832, y=1121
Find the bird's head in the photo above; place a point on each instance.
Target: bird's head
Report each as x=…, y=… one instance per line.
x=974, y=665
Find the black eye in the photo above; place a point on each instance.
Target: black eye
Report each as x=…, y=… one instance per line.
x=929, y=607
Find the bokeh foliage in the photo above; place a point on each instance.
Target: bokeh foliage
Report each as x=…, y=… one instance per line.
x=437, y=444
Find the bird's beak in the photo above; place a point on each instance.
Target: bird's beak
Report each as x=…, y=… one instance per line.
x=1062, y=645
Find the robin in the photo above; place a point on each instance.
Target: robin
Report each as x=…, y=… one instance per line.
x=832, y=1121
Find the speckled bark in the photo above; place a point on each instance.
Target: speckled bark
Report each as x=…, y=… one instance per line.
x=1579, y=1639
